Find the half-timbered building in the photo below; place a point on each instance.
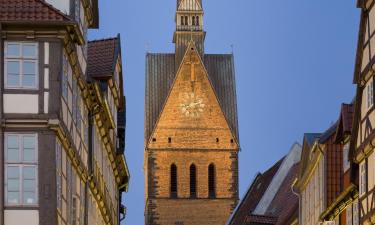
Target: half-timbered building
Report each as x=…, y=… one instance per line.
x=191, y=132
x=62, y=119
x=363, y=136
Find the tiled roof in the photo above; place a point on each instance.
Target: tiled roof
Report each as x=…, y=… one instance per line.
x=30, y=11
x=254, y=194
x=102, y=55
x=260, y=219
x=345, y=121
x=285, y=197
x=160, y=73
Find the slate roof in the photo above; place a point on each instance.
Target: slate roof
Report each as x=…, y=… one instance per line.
x=161, y=71
x=254, y=195
x=30, y=11
x=102, y=57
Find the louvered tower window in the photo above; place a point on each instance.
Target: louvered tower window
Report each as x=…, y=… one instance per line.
x=211, y=181
x=173, y=181
x=197, y=21
x=193, y=181
x=193, y=20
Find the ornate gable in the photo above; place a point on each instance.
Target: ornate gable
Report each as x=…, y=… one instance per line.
x=192, y=117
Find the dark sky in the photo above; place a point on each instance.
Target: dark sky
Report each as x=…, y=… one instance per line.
x=294, y=66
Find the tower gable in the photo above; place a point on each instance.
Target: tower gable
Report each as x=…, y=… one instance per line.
x=192, y=117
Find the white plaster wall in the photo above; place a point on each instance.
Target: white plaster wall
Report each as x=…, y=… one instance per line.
x=21, y=103
x=21, y=217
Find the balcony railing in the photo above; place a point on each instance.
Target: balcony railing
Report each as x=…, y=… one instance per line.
x=189, y=28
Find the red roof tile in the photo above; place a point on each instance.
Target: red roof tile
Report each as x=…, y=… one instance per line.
x=254, y=194
x=259, y=219
x=30, y=11
x=345, y=122
x=285, y=197
x=102, y=57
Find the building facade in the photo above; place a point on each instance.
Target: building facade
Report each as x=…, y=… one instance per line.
x=191, y=132
x=364, y=115
x=61, y=143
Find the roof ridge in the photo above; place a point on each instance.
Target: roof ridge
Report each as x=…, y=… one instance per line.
x=103, y=39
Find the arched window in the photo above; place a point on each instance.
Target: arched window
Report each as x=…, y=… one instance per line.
x=173, y=181
x=193, y=21
x=197, y=21
x=186, y=21
x=193, y=181
x=211, y=181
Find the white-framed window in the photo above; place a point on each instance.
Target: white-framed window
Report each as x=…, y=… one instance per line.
x=355, y=213
x=21, y=169
x=370, y=94
x=21, y=65
x=345, y=157
x=362, y=178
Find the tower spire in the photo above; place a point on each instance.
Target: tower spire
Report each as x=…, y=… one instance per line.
x=189, y=27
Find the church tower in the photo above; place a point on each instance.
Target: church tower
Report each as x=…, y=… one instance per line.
x=191, y=129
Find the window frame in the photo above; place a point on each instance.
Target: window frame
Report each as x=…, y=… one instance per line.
x=21, y=165
x=362, y=179
x=345, y=157
x=370, y=94
x=21, y=59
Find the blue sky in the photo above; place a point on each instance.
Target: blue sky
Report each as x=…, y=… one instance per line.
x=294, y=66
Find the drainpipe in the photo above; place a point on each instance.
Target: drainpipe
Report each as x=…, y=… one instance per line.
x=90, y=160
x=299, y=200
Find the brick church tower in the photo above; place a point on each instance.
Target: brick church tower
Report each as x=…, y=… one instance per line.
x=191, y=131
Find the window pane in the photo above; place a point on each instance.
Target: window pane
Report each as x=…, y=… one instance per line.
x=29, y=173
x=29, y=155
x=13, y=185
x=29, y=141
x=13, y=197
x=13, y=172
x=29, y=80
x=29, y=67
x=29, y=198
x=13, y=67
x=29, y=185
x=13, y=155
x=29, y=50
x=13, y=49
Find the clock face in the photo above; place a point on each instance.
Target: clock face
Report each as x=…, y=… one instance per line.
x=192, y=105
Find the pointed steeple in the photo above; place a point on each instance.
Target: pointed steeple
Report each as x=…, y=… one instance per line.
x=189, y=27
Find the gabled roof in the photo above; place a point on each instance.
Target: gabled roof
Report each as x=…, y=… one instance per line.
x=102, y=57
x=161, y=72
x=30, y=11
x=311, y=138
x=345, y=122
x=328, y=133
x=254, y=194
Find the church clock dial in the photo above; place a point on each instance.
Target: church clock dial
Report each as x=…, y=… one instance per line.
x=192, y=105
